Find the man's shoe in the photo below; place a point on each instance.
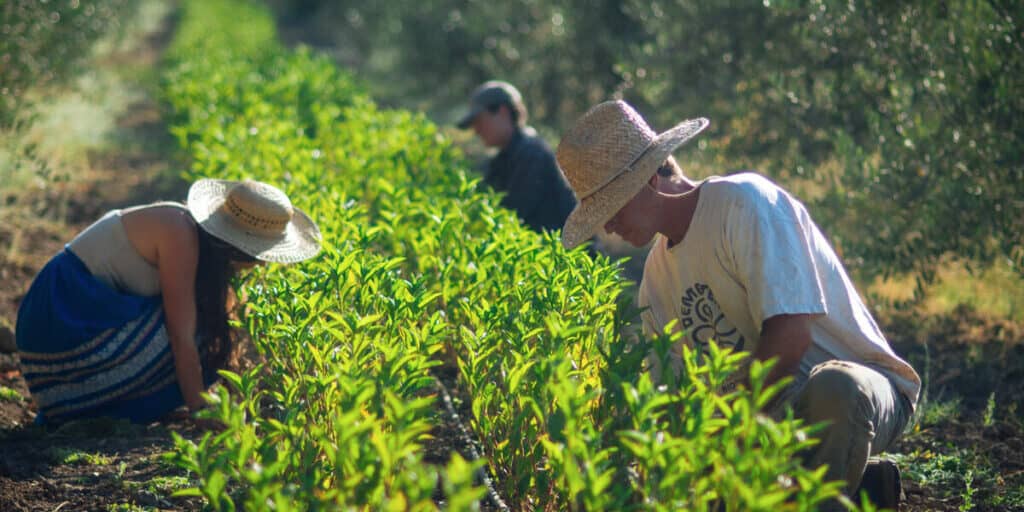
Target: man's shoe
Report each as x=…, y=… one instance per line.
x=881, y=483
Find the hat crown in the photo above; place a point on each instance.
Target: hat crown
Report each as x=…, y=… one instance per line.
x=606, y=140
x=258, y=208
x=494, y=92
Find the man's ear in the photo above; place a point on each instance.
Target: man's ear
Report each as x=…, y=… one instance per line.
x=652, y=183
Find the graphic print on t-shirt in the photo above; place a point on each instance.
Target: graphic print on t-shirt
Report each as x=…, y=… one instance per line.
x=703, y=320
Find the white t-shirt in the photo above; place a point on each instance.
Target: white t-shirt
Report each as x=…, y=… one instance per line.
x=753, y=252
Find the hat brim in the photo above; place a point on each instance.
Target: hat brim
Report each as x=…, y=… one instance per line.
x=300, y=240
x=467, y=120
x=597, y=209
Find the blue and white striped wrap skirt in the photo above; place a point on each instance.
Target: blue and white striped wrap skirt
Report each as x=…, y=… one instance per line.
x=88, y=350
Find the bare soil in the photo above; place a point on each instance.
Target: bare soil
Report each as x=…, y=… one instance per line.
x=91, y=465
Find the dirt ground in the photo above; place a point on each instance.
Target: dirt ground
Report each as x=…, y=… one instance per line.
x=966, y=358
x=977, y=364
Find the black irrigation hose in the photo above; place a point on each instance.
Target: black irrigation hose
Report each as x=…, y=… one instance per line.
x=481, y=472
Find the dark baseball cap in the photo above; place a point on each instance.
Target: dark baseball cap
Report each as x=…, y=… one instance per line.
x=490, y=94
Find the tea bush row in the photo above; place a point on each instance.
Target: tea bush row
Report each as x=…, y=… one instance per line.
x=420, y=269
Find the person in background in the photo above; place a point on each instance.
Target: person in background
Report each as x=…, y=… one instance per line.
x=738, y=260
x=130, y=319
x=524, y=168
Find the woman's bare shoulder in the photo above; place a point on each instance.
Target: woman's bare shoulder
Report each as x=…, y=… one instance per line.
x=160, y=227
x=168, y=214
x=157, y=208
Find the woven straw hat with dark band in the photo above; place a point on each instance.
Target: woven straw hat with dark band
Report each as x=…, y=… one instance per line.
x=256, y=218
x=607, y=157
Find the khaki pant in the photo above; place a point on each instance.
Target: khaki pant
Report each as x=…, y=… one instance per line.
x=864, y=411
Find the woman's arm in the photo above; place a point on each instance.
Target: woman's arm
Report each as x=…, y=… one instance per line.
x=177, y=248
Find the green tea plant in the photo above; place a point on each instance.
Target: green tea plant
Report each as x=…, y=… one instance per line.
x=10, y=394
x=421, y=270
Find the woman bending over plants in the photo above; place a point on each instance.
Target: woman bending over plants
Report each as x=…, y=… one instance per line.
x=130, y=319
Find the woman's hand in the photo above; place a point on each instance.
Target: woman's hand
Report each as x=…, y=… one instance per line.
x=184, y=415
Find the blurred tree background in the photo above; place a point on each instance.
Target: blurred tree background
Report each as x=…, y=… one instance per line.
x=899, y=123
x=43, y=43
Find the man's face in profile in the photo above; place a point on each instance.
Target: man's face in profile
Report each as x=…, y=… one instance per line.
x=493, y=128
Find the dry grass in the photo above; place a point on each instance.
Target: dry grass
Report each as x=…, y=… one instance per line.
x=998, y=290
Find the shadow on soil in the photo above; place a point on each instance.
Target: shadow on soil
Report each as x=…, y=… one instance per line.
x=89, y=465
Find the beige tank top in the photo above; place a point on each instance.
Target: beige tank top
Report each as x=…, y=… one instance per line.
x=110, y=257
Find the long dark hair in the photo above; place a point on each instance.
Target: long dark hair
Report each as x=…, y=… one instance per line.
x=218, y=349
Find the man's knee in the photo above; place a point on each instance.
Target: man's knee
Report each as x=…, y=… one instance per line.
x=833, y=393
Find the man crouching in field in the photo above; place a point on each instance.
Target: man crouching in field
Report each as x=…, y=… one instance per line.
x=738, y=260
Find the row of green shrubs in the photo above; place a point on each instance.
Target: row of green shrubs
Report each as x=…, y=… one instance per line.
x=421, y=270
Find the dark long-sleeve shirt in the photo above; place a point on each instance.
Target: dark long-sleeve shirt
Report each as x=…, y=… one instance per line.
x=526, y=171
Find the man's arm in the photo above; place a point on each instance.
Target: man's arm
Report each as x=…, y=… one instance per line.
x=786, y=338
x=772, y=253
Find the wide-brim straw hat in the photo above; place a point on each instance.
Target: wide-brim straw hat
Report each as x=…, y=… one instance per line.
x=607, y=157
x=254, y=217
